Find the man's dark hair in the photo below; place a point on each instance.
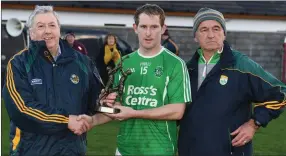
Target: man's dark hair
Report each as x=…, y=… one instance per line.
x=150, y=9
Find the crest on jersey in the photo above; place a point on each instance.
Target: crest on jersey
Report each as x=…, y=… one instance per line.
x=223, y=79
x=158, y=71
x=74, y=79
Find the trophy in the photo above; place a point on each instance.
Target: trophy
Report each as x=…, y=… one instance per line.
x=109, y=87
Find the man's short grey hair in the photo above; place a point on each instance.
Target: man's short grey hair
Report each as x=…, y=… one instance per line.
x=41, y=10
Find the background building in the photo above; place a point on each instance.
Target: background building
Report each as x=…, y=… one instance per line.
x=257, y=29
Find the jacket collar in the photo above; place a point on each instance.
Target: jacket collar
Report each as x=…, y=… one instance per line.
x=67, y=54
x=226, y=60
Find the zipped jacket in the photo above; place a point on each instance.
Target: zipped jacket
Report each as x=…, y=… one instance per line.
x=224, y=102
x=40, y=94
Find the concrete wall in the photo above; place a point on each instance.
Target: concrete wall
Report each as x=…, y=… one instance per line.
x=264, y=48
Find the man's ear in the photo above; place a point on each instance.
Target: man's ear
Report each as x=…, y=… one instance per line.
x=196, y=40
x=32, y=34
x=135, y=28
x=164, y=27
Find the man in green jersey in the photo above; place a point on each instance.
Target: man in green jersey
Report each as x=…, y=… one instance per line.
x=155, y=93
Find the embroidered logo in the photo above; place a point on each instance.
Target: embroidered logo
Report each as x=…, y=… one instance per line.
x=36, y=81
x=223, y=79
x=48, y=56
x=74, y=79
x=79, y=48
x=158, y=71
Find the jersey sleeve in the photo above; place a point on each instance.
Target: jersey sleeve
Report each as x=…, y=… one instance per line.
x=178, y=88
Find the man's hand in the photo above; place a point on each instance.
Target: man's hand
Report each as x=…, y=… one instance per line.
x=109, y=100
x=88, y=119
x=244, y=133
x=78, y=127
x=125, y=113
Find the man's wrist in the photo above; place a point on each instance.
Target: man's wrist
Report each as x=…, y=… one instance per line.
x=136, y=113
x=255, y=124
x=93, y=120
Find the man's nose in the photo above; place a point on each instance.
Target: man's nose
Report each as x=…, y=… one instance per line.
x=47, y=29
x=210, y=34
x=148, y=32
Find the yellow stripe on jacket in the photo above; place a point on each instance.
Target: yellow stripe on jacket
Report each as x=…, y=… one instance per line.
x=16, y=138
x=17, y=99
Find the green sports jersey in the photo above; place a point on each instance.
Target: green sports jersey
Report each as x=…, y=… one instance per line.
x=155, y=81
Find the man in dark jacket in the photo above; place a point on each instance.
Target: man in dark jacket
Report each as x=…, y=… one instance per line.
x=70, y=37
x=48, y=85
x=225, y=83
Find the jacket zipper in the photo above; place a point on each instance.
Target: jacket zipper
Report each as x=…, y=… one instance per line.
x=231, y=148
x=54, y=79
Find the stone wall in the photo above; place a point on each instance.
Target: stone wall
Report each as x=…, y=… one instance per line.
x=264, y=48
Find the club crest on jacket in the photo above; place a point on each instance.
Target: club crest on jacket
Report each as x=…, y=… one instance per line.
x=223, y=79
x=74, y=79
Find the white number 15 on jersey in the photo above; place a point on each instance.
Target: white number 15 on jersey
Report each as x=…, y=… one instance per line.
x=143, y=70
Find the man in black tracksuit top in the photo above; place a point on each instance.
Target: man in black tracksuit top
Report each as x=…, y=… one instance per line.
x=225, y=83
x=47, y=86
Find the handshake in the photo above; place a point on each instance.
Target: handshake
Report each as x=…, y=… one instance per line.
x=80, y=124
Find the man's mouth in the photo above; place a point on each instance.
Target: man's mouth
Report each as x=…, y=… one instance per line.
x=211, y=42
x=47, y=38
